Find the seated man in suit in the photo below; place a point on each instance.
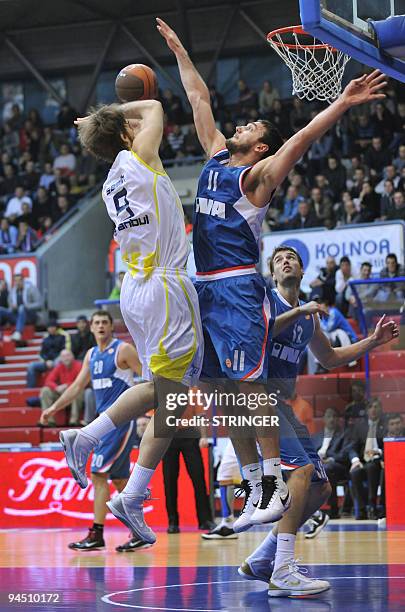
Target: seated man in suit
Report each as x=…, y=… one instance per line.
x=366, y=454
x=332, y=446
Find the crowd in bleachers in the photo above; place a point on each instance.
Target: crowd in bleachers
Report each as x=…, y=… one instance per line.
x=43, y=172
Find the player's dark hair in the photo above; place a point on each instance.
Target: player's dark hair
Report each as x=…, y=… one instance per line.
x=271, y=137
x=101, y=313
x=102, y=132
x=280, y=249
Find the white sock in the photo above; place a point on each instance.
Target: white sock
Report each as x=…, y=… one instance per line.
x=98, y=428
x=138, y=481
x=265, y=553
x=285, y=549
x=252, y=471
x=272, y=467
x=227, y=521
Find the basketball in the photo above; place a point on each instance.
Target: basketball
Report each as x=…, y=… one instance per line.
x=136, y=82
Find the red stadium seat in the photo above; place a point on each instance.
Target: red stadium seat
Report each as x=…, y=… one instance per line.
x=388, y=360
x=312, y=385
x=31, y=435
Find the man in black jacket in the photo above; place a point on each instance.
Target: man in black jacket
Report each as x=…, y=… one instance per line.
x=366, y=454
x=305, y=217
x=51, y=347
x=83, y=339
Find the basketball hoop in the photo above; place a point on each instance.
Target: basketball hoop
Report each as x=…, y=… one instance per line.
x=316, y=67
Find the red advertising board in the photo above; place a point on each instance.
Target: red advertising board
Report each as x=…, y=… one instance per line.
x=394, y=461
x=27, y=266
x=37, y=490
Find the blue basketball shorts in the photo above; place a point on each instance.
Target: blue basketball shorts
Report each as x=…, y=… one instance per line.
x=112, y=453
x=236, y=321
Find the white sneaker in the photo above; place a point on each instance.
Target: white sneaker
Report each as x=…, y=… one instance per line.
x=77, y=447
x=252, y=490
x=274, y=501
x=249, y=572
x=16, y=336
x=289, y=579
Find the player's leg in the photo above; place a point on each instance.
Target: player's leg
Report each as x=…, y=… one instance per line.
x=134, y=543
x=95, y=538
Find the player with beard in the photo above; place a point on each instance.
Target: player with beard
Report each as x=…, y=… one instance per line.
x=234, y=191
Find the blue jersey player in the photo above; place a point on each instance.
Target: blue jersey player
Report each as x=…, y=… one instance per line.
x=110, y=367
x=234, y=191
x=306, y=476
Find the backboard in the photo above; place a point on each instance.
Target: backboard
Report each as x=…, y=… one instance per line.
x=343, y=24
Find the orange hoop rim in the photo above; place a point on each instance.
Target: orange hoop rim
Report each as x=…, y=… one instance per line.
x=297, y=29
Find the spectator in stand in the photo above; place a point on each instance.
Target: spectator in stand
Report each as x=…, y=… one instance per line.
x=369, y=204
x=377, y=157
x=399, y=162
x=333, y=446
x=290, y=207
x=42, y=204
x=298, y=115
x=8, y=237
x=348, y=214
x=14, y=205
x=247, y=99
x=318, y=152
x=356, y=410
x=173, y=107
x=85, y=166
x=363, y=132
x=191, y=144
x=391, y=292
x=176, y=140
x=58, y=379
x=395, y=426
x=217, y=104
x=387, y=200
x=323, y=286
x=116, y=290
x=280, y=119
x=322, y=206
x=51, y=347
x=62, y=207
x=83, y=339
x=45, y=225
x=357, y=183
x=384, y=123
x=335, y=174
x=3, y=294
x=305, y=218
x=267, y=95
x=322, y=184
x=339, y=331
x=343, y=275
x=27, y=216
x=65, y=162
x=366, y=454
x=16, y=119
x=401, y=182
x=25, y=302
x=365, y=292
x=297, y=180
x=398, y=211
x=47, y=178
x=9, y=183
x=30, y=177
x=27, y=238
x=66, y=116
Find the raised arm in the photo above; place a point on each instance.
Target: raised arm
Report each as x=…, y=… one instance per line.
x=330, y=357
x=197, y=92
x=267, y=174
x=146, y=116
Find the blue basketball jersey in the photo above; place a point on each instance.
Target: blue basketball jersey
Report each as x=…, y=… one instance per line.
x=108, y=380
x=286, y=349
x=226, y=227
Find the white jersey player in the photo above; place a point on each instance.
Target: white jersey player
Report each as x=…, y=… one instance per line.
x=158, y=300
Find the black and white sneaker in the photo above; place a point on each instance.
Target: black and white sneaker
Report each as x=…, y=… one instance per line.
x=133, y=544
x=316, y=523
x=93, y=541
x=252, y=490
x=221, y=532
x=274, y=501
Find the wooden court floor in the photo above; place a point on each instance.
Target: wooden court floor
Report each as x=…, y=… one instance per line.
x=184, y=573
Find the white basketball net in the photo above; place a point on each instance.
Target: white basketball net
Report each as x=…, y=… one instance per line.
x=316, y=72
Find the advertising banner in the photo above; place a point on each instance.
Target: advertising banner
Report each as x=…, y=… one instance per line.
x=39, y=491
x=27, y=266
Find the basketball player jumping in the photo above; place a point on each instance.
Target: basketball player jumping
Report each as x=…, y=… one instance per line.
x=307, y=479
x=234, y=191
x=110, y=366
x=158, y=301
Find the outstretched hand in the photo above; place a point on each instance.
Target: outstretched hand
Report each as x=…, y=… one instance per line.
x=170, y=36
x=385, y=331
x=366, y=88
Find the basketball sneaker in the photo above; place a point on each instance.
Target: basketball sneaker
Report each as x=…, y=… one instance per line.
x=221, y=532
x=275, y=499
x=316, y=523
x=289, y=579
x=77, y=447
x=133, y=544
x=252, y=490
x=249, y=572
x=93, y=541
x=129, y=510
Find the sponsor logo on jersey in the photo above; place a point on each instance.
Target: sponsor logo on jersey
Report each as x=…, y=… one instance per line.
x=114, y=186
x=132, y=223
x=102, y=383
x=287, y=353
x=207, y=206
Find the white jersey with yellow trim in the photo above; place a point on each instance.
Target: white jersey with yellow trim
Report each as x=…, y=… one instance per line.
x=147, y=215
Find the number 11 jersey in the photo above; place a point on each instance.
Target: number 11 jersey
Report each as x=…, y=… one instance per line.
x=147, y=215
